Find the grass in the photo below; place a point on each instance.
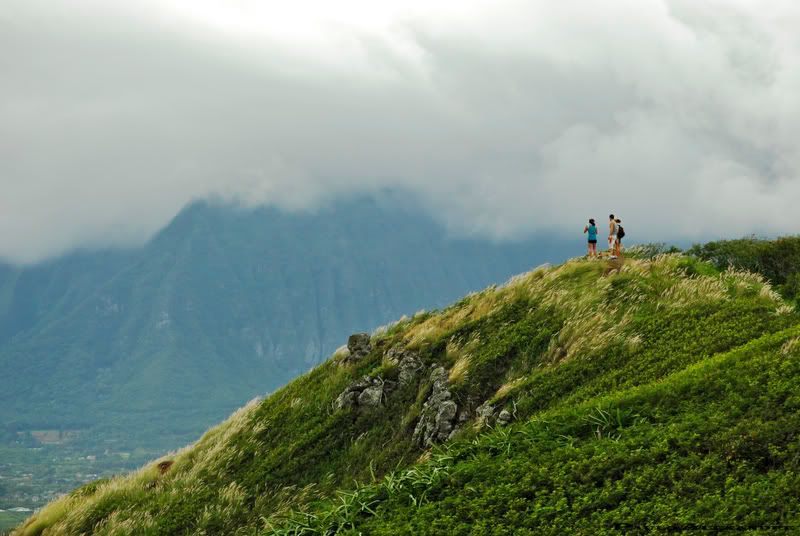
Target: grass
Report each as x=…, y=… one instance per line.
x=659, y=397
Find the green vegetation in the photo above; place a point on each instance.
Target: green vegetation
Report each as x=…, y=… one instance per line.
x=658, y=396
x=777, y=260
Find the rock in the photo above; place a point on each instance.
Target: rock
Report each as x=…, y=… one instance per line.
x=395, y=355
x=408, y=363
x=504, y=418
x=371, y=396
x=447, y=411
x=362, y=383
x=362, y=393
x=409, y=369
x=439, y=380
x=484, y=412
x=359, y=346
x=347, y=399
x=437, y=419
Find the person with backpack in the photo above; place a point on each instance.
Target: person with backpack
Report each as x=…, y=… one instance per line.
x=620, y=236
x=591, y=230
x=612, y=234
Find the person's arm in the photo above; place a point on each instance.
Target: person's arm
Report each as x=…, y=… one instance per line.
x=586, y=229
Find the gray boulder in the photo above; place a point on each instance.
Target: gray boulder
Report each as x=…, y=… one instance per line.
x=363, y=393
x=371, y=396
x=484, y=413
x=504, y=418
x=408, y=363
x=359, y=345
x=439, y=413
x=347, y=399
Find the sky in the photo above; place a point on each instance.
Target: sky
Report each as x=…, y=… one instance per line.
x=502, y=117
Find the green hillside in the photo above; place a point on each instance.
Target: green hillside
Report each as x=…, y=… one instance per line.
x=659, y=395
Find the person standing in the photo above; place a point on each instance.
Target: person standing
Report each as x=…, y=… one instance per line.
x=619, y=236
x=591, y=231
x=612, y=234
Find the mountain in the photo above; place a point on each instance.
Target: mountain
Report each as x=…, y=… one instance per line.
x=150, y=346
x=659, y=394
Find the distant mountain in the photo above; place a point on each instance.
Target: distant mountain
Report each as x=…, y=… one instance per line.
x=222, y=305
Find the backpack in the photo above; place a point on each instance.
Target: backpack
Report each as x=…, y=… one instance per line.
x=620, y=231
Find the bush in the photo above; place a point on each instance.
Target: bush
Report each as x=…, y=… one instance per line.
x=777, y=260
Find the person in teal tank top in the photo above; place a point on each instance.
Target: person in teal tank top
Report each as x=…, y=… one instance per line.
x=591, y=231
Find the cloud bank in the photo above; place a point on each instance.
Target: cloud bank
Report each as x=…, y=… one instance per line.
x=503, y=117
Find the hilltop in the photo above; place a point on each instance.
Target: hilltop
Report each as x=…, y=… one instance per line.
x=657, y=395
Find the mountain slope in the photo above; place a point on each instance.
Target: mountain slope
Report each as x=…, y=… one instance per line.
x=659, y=395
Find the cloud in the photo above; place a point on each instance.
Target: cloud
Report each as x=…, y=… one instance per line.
x=504, y=117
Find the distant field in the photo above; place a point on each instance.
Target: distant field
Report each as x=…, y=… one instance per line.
x=9, y=520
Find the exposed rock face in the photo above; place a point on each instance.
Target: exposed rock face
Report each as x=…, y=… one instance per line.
x=347, y=399
x=364, y=392
x=371, y=396
x=359, y=345
x=437, y=421
x=371, y=391
x=408, y=363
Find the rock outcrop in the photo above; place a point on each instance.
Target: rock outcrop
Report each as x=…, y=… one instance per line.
x=359, y=345
x=504, y=418
x=487, y=414
x=408, y=363
x=364, y=392
x=438, y=417
x=371, y=391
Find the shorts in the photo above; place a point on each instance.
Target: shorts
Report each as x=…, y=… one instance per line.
x=593, y=241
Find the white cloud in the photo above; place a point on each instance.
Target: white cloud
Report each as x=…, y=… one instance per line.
x=504, y=116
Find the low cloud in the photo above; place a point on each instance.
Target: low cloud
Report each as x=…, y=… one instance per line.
x=504, y=118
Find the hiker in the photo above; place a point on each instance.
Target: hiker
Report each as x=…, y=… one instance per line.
x=619, y=237
x=591, y=230
x=612, y=234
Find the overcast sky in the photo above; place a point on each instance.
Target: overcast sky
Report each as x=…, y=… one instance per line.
x=505, y=117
